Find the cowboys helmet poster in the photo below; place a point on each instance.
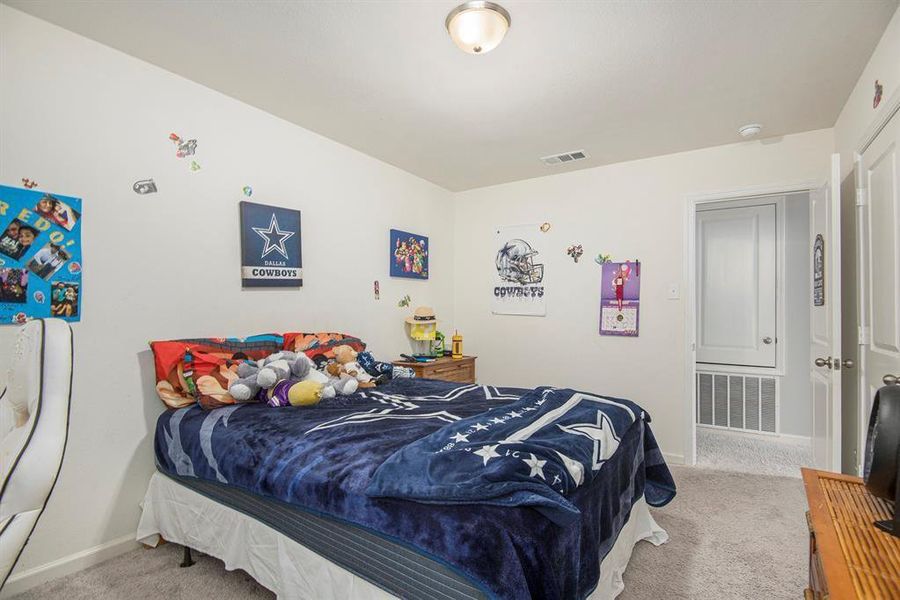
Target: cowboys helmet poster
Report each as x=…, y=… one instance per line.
x=40, y=255
x=270, y=246
x=519, y=277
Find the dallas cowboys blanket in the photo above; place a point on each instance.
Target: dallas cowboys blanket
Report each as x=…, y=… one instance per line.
x=323, y=459
x=532, y=452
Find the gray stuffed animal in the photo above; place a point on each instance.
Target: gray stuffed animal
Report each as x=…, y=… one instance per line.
x=265, y=373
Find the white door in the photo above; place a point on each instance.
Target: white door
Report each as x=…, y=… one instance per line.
x=825, y=324
x=880, y=191
x=736, y=279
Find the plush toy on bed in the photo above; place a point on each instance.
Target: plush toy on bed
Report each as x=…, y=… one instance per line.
x=345, y=356
x=382, y=371
x=256, y=378
x=293, y=392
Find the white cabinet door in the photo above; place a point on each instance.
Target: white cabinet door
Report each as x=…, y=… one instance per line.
x=825, y=320
x=736, y=285
x=879, y=166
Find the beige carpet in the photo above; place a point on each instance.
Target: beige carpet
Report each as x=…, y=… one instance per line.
x=732, y=536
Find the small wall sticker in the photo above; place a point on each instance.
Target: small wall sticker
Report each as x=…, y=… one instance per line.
x=29, y=183
x=248, y=191
x=545, y=227
x=575, y=251
x=602, y=259
x=183, y=147
x=879, y=90
x=377, y=289
x=404, y=301
x=144, y=186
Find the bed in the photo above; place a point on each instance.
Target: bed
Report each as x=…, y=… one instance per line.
x=415, y=489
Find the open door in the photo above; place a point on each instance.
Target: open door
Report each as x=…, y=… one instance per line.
x=825, y=325
x=879, y=189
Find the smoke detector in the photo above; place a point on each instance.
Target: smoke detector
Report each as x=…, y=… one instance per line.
x=558, y=159
x=748, y=131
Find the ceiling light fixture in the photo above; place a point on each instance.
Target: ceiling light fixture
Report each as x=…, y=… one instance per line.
x=750, y=130
x=478, y=26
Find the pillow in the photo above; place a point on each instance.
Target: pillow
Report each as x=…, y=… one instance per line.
x=320, y=346
x=180, y=363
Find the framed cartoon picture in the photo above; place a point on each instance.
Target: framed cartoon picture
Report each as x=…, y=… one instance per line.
x=409, y=255
x=270, y=246
x=620, y=298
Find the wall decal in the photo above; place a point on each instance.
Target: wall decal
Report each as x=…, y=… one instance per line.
x=819, y=271
x=620, y=299
x=39, y=234
x=409, y=255
x=377, y=290
x=518, y=284
x=248, y=191
x=183, y=147
x=29, y=183
x=879, y=90
x=144, y=186
x=404, y=301
x=195, y=166
x=545, y=227
x=575, y=251
x=602, y=259
x=270, y=246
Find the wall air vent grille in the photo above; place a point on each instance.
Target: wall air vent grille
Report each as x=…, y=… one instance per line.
x=744, y=402
x=565, y=157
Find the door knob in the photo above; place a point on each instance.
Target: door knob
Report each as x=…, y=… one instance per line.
x=823, y=362
x=767, y=340
x=848, y=363
x=890, y=379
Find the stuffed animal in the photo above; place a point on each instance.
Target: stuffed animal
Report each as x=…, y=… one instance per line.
x=382, y=371
x=345, y=356
x=293, y=392
x=338, y=378
x=254, y=378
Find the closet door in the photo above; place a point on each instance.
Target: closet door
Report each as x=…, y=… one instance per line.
x=736, y=286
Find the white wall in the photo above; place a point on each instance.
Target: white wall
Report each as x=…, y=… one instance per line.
x=631, y=210
x=858, y=114
x=86, y=120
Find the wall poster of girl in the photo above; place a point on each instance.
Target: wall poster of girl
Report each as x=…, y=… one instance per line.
x=409, y=255
x=620, y=298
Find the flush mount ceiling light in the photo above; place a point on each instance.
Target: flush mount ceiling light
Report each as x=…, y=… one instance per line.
x=750, y=130
x=477, y=27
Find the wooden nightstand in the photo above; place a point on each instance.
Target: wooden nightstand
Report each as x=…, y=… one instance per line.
x=461, y=370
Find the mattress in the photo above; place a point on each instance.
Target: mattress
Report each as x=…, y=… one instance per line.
x=385, y=563
x=173, y=508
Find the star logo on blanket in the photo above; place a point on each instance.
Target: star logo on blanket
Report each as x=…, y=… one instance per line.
x=459, y=437
x=274, y=238
x=479, y=427
x=537, y=466
x=488, y=452
x=603, y=435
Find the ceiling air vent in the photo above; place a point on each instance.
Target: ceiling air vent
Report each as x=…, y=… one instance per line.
x=558, y=159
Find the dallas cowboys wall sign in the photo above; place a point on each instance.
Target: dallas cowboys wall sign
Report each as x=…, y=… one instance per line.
x=270, y=246
x=519, y=281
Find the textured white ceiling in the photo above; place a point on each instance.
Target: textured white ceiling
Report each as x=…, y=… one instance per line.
x=621, y=80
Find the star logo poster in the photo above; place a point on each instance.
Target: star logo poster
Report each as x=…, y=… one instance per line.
x=40, y=255
x=270, y=246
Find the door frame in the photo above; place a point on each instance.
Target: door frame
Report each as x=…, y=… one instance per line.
x=689, y=426
x=889, y=111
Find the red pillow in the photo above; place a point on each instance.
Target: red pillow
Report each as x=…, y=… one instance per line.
x=177, y=383
x=319, y=346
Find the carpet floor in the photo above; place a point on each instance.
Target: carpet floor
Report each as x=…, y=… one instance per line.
x=751, y=453
x=732, y=535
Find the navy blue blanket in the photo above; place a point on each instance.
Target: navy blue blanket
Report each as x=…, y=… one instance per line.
x=323, y=459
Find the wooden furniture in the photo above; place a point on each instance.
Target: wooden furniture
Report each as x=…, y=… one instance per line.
x=461, y=370
x=848, y=556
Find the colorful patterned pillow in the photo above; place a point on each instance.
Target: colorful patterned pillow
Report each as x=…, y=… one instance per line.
x=320, y=346
x=198, y=370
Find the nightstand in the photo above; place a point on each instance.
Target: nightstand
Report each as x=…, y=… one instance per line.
x=461, y=370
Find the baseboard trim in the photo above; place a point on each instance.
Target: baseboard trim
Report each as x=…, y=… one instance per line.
x=25, y=580
x=675, y=459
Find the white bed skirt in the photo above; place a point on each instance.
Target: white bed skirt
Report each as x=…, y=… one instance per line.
x=294, y=572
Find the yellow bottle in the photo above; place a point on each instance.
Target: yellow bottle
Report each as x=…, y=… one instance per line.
x=456, y=351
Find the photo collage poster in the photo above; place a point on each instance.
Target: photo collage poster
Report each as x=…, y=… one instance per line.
x=270, y=246
x=518, y=286
x=40, y=255
x=620, y=298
